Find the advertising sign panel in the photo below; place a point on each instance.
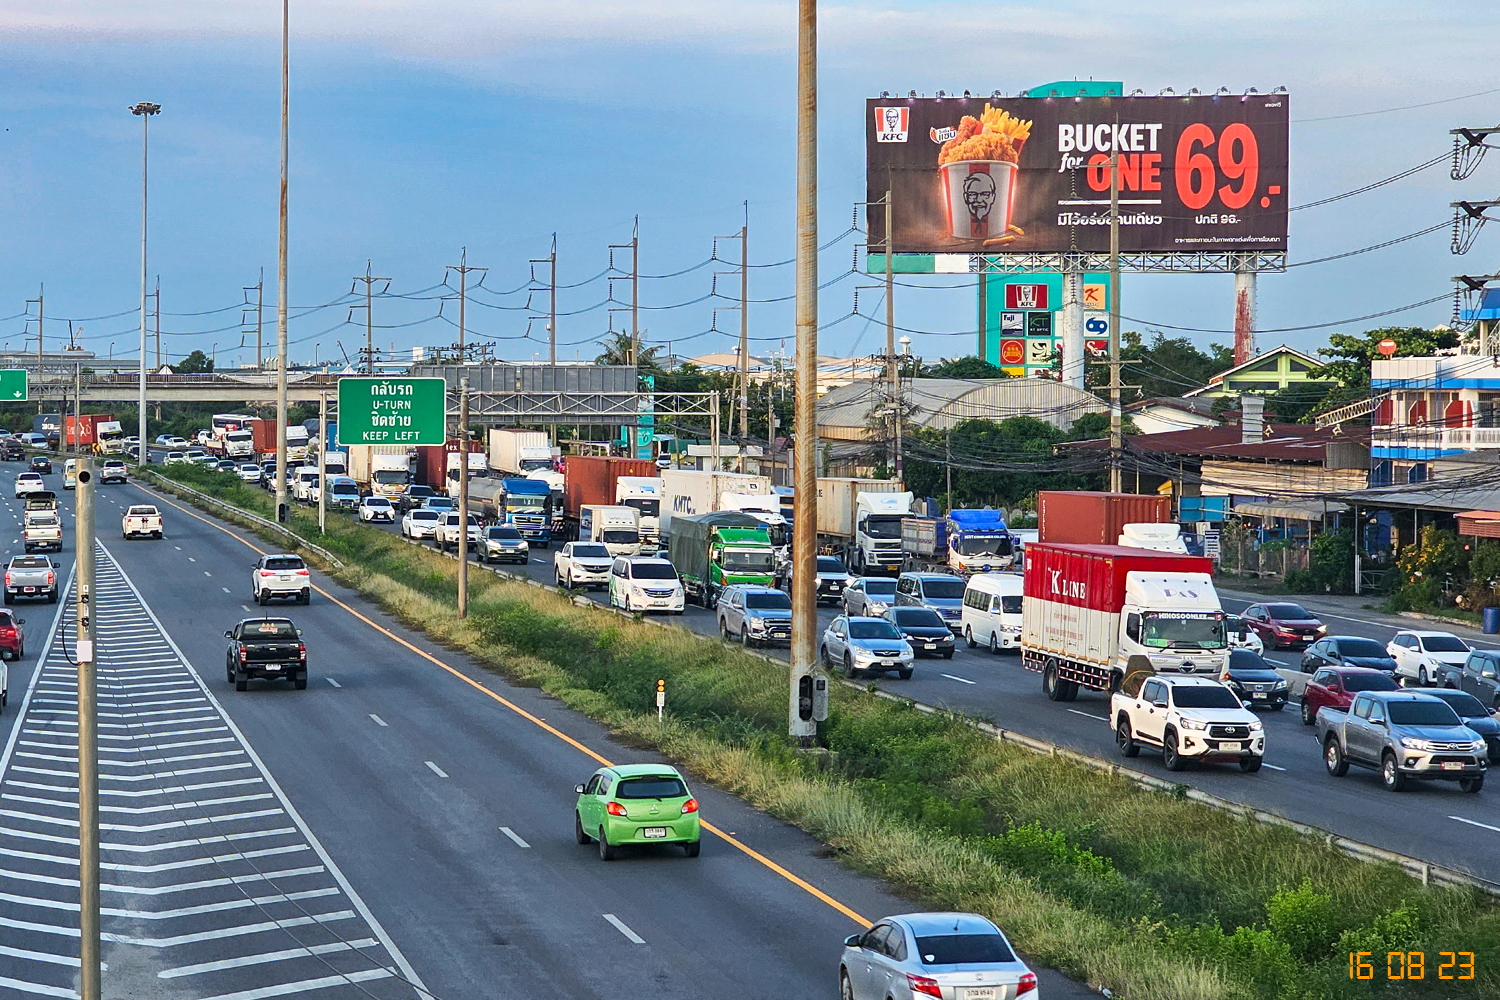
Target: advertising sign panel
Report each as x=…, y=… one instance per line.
x=1019, y=175
x=1012, y=352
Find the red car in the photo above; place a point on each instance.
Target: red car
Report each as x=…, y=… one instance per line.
x=1335, y=687
x=12, y=639
x=1281, y=625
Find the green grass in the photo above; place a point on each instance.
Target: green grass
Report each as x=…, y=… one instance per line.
x=1142, y=892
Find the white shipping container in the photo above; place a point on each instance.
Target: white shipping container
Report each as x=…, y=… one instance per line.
x=837, y=499
x=516, y=452
x=687, y=491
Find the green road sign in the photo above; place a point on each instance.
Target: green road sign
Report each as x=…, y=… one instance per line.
x=407, y=411
x=12, y=384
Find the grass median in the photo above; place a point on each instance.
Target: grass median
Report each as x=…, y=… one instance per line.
x=1142, y=892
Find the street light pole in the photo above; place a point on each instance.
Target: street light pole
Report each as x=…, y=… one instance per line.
x=144, y=110
x=281, y=342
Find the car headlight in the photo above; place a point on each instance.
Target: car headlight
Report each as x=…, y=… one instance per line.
x=1479, y=744
x=1192, y=724
x=879, y=608
x=1256, y=726
x=1412, y=743
x=1279, y=684
x=524, y=546
x=756, y=623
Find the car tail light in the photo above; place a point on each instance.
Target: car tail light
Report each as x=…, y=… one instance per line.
x=303, y=572
x=7, y=578
x=923, y=986
x=50, y=578
x=244, y=654
x=1027, y=984
x=301, y=650
x=7, y=631
x=690, y=806
x=266, y=572
x=614, y=809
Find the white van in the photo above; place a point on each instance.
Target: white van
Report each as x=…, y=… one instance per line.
x=305, y=483
x=991, y=614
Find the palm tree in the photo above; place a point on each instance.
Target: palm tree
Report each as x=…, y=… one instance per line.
x=617, y=351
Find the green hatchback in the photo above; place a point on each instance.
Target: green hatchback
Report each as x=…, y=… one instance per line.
x=636, y=804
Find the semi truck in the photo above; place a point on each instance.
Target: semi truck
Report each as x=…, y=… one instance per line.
x=516, y=452
x=1088, y=609
x=1079, y=517
x=978, y=542
x=554, y=481
x=109, y=438
x=765, y=508
x=617, y=528
x=81, y=432
x=526, y=505
x=644, y=494
x=595, y=479
x=711, y=551
x=296, y=443
x=479, y=468
x=381, y=469
x=685, y=492
x=860, y=520
x=263, y=435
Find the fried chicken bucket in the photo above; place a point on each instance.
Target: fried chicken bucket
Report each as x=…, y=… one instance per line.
x=978, y=169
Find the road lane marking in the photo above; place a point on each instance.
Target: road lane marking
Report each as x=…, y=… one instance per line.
x=225, y=589
x=207, y=573
x=512, y=835
x=379, y=721
x=191, y=559
x=274, y=956
x=1272, y=766
x=435, y=769
x=495, y=696
x=961, y=680
x=619, y=925
x=333, y=682
x=1088, y=715
x=1475, y=822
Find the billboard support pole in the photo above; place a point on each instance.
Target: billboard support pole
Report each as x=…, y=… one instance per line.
x=804, y=583
x=984, y=354
x=890, y=336
x=1244, y=310
x=744, y=336
x=1072, y=321
x=1116, y=438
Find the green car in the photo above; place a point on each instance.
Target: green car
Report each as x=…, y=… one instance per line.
x=636, y=804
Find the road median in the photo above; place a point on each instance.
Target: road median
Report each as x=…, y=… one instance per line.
x=1139, y=890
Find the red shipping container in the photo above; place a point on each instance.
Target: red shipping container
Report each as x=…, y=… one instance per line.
x=590, y=479
x=432, y=467
x=84, y=429
x=264, y=431
x=1093, y=576
x=1087, y=518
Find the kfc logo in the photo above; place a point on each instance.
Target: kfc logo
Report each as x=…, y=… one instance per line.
x=892, y=124
x=1026, y=296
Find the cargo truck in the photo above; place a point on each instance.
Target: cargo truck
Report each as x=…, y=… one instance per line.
x=380, y=469
x=296, y=443
x=595, y=479
x=689, y=491
x=924, y=544
x=1088, y=518
x=516, y=453
x=617, y=528
x=526, y=505
x=765, y=508
x=262, y=435
x=82, y=431
x=860, y=520
x=711, y=551
x=109, y=438
x=479, y=468
x=978, y=542
x=554, y=481
x=644, y=494
x=1089, y=608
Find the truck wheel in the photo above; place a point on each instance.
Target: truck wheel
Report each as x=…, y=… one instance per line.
x=968, y=634
x=1390, y=775
x=994, y=643
x=1308, y=718
x=52, y=597
x=1069, y=690
x=745, y=637
x=1169, y=753
x=1051, y=686
x=1471, y=784
x=1333, y=758
x=1249, y=764
x=822, y=655
x=723, y=630
x=1126, y=741
x=300, y=682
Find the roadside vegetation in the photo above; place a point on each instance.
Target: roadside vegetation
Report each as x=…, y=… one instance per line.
x=1142, y=892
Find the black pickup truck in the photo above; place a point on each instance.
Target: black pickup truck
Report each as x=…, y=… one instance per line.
x=269, y=648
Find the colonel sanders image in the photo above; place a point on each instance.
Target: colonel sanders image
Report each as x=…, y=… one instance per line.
x=893, y=119
x=979, y=196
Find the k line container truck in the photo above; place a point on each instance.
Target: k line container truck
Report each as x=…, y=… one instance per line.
x=687, y=492
x=1085, y=518
x=1089, y=608
x=860, y=520
x=515, y=453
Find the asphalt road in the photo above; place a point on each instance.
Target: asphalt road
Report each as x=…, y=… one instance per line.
x=1433, y=821
x=401, y=825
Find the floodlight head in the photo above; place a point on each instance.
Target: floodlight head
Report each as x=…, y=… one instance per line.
x=146, y=108
x=1279, y=90
x=912, y=94
x=942, y=93
x=1165, y=91
x=967, y=94
x=885, y=93
x=1137, y=92
x=1193, y=92
x=995, y=93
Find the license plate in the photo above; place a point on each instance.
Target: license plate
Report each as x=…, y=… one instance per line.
x=929, y=645
x=1452, y=765
x=1259, y=694
x=979, y=993
x=30, y=589
x=273, y=666
x=654, y=832
x=1232, y=747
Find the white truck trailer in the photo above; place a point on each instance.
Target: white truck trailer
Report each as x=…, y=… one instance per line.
x=382, y=469
x=618, y=529
x=517, y=453
x=690, y=492
x=860, y=520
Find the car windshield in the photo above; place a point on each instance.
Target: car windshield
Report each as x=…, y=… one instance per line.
x=423, y=515
x=1369, y=682
x=918, y=618
x=1466, y=705
x=420, y=492
x=284, y=563
x=1362, y=647
x=43, y=519
x=655, y=787
x=829, y=564
x=621, y=536
x=1422, y=712
x=270, y=629
x=390, y=477
x=246, y=468
x=996, y=546
x=1182, y=632
x=1010, y=604
x=348, y=489
x=590, y=552
x=1444, y=644
x=648, y=508
x=653, y=571
x=778, y=600
x=1246, y=659
x=963, y=949
x=505, y=534
x=883, y=527
x=873, y=630
x=1204, y=696
x=943, y=589
x=31, y=562
x=747, y=560
x=877, y=586
x=377, y=502
x=439, y=503
x=1289, y=612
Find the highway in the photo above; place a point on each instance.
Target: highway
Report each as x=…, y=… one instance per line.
x=399, y=829
x=1433, y=821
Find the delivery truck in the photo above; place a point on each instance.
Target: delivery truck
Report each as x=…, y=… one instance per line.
x=1088, y=609
x=617, y=528
x=296, y=443
x=689, y=491
x=595, y=479
x=517, y=452
x=380, y=469
x=1078, y=517
x=109, y=438
x=860, y=521
x=263, y=435
x=81, y=432
x=644, y=494
x=765, y=508
x=978, y=542
x=711, y=551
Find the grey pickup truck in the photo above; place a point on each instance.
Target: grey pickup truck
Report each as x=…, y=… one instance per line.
x=1405, y=736
x=269, y=648
x=30, y=576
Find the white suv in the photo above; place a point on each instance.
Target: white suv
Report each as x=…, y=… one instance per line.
x=1421, y=656
x=582, y=564
x=645, y=583
x=445, y=535
x=281, y=575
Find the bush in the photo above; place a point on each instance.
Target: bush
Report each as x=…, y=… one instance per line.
x=1303, y=918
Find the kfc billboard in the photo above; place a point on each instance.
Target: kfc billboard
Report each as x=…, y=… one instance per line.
x=1031, y=175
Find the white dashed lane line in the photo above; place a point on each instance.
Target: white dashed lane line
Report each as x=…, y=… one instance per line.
x=1272, y=766
x=335, y=683
x=1475, y=822
x=435, y=769
x=1088, y=715
x=384, y=725
x=513, y=836
x=955, y=677
x=619, y=925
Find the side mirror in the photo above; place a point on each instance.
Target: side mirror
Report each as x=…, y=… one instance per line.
x=1159, y=704
x=578, y=789
x=299, y=631
x=229, y=633
x=852, y=941
x=1335, y=655
x=1488, y=675
x=20, y=621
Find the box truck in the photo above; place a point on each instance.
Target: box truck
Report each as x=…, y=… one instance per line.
x=765, y=508
x=82, y=431
x=644, y=494
x=711, y=551
x=109, y=438
x=689, y=491
x=617, y=528
x=1089, y=609
x=381, y=469
x=978, y=542
x=296, y=443
x=262, y=435
x=1088, y=518
x=515, y=453
x=860, y=520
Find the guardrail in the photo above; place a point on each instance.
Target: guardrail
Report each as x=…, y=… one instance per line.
x=198, y=496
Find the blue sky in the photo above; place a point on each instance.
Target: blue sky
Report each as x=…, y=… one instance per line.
x=421, y=128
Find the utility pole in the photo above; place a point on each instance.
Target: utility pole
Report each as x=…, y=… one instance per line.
x=800, y=722
x=322, y=463
x=744, y=334
x=1116, y=439
x=281, y=341
x=463, y=269
x=158, y=355
x=260, y=300
x=90, y=967
x=892, y=375
x=145, y=109
x=41, y=303
x=369, y=315
x=463, y=497
x=552, y=307
x=948, y=462
x=635, y=293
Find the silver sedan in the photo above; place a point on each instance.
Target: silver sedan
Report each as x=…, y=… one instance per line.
x=951, y=956
x=866, y=646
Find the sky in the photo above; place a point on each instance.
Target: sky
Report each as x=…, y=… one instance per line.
x=421, y=131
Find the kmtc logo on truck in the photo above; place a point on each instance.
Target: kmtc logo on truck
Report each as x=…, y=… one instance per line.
x=1067, y=588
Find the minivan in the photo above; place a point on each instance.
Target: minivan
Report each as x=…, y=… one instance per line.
x=70, y=474
x=992, y=611
x=942, y=592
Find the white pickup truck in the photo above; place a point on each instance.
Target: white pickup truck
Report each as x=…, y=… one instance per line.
x=446, y=534
x=141, y=519
x=43, y=532
x=1190, y=718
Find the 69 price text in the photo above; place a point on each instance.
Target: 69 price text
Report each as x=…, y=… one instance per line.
x=1412, y=965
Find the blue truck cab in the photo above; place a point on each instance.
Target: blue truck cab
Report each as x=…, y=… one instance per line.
x=978, y=541
x=526, y=505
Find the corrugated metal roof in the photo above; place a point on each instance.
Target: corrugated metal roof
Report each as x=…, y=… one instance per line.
x=1284, y=443
x=941, y=402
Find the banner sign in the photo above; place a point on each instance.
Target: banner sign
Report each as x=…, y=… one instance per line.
x=1031, y=175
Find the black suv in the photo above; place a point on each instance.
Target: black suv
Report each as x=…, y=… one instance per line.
x=11, y=450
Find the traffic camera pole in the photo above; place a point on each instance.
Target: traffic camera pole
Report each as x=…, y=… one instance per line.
x=463, y=497
x=89, y=984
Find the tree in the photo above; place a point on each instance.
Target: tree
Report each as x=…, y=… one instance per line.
x=964, y=368
x=617, y=351
x=196, y=363
x=1170, y=367
x=1352, y=353
x=995, y=462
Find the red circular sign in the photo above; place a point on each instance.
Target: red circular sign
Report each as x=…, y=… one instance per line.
x=1012, y=352
x=1386, y=347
